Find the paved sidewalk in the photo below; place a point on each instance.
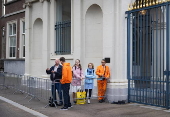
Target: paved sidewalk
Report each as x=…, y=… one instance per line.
x=94, y=109
x=7, y=110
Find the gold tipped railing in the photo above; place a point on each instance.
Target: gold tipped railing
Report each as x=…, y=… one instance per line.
x=145, y=3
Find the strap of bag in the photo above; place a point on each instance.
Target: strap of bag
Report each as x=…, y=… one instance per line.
x=93, y=71
x=80, y=72
x=105, y=70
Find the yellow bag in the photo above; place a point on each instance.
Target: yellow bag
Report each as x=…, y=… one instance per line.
x=81, y=97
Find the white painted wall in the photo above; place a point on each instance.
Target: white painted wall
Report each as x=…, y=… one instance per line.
x=93, y=41
x=36, y=48
x=98, y=31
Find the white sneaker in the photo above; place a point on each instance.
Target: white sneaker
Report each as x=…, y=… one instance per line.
x=88, y=101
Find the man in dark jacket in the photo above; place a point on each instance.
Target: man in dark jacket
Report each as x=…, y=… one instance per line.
x=56, y=75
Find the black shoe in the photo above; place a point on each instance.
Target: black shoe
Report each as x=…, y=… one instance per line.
x=64, y=108
x=103, y=100
x=114, y=102
x=121, y=102
x=70, y=106
x=100, y=101
x=74, y=102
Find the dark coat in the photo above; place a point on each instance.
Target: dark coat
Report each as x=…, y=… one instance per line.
x=58, y=74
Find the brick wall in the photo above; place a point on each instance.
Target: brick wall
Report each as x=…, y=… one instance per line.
x=14, y=6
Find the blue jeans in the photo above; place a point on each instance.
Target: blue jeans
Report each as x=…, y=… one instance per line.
x=57, y=86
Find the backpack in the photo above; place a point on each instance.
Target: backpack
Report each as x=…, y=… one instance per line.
x=51, y=104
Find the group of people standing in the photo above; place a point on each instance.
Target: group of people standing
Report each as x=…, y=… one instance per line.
x=62, y=75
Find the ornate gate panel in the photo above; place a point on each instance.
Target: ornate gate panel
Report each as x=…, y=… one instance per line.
x=148, y=54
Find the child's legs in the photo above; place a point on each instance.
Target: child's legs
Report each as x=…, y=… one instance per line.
x=86, y=90
x=90, y=92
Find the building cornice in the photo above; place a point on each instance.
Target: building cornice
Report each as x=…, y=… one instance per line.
x=14, y=13
x=13, y=1
x=29, y=3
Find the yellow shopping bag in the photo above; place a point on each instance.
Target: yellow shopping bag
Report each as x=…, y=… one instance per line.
x=81, y=97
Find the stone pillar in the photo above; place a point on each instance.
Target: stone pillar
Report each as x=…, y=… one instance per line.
x=46, y=37
x=52, y=32
x=118, y=86
x=27, y=37
x=76, y=30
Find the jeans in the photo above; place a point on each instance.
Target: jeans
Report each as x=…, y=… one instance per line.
x=57, y=86
x=66, y=88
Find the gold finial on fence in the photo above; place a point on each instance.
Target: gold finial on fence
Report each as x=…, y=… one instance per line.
x=129, y=7
x=147, y=3
x=144, y=3
x=150, y=3
x=140, y=3
x=157, y=2
x=138, y=6
x=134, y=5
x=153, y=3
x=160, y=1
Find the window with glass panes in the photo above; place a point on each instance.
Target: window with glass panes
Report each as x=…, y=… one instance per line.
x=12, y=40
x=63, y=27
x=23, y=38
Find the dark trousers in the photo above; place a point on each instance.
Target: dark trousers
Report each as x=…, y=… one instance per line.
x=57, y=86
x=90, y=92
x=66, y=88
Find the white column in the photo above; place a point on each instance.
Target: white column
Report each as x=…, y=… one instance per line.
x=27, y=40
x=108, y=33
x=46, y=37
x=76, y=29
x=52, y=28
x=120, y=45
x=117, y=88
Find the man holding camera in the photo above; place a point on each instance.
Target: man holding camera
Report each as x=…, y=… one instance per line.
x=103, y=73
x=56, y=75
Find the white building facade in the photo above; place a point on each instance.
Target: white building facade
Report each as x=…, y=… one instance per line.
x=98, y=30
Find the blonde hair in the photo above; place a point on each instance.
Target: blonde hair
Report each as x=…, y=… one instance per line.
x=91, y=64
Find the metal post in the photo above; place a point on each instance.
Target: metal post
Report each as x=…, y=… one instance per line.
x=167, y=56
x=128, y=54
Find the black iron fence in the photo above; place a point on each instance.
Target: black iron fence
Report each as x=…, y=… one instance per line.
x=63, y=37
x=148, y=55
